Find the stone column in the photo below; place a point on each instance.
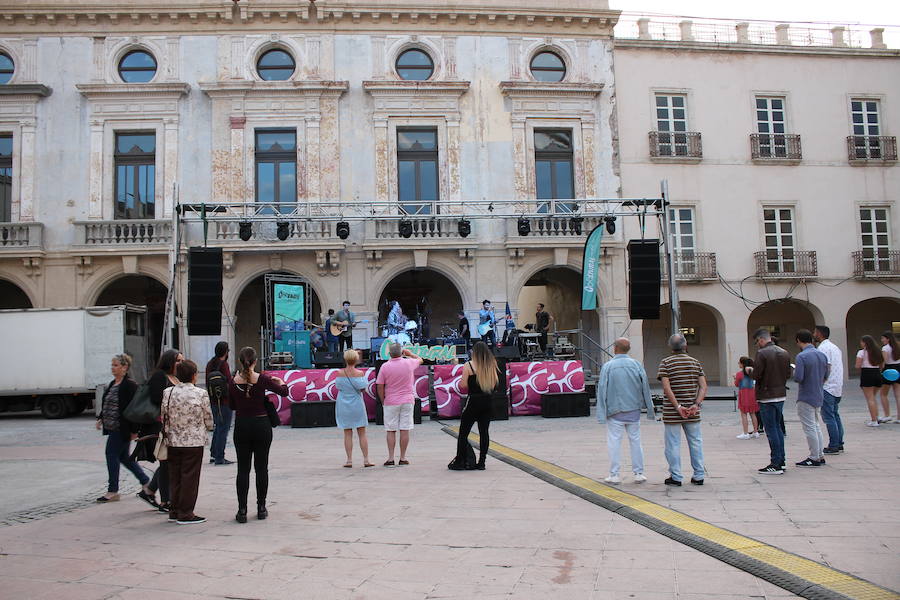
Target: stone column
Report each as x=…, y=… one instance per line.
x=687, y=33
x=643, y=28
x=98, y=55
x=381, y=160
x=783, y=34
x=313, y=161
x=520, y=146
x=95, y=176
x=743, y=32
x=235, y=62
x=515, y=48
x=170, y=165
x=30, y=67
x=27, y=170
x=454, y=193
x=378, y=69
x=237, y=191
x=588, y=135
x=331, y=149
x=877, y=36
x=837, y=37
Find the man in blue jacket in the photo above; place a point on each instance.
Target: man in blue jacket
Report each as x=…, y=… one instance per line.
x=810, y=372
x=622, y=391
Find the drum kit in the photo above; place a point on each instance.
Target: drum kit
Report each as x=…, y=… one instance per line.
x=407, y=335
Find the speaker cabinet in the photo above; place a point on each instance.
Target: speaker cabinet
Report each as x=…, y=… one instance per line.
x=328, y=360
x=644, y=279
x=204, y=291
x=565, y=405
x=313, y=414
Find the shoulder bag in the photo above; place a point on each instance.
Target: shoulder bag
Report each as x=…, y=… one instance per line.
x=141, y=409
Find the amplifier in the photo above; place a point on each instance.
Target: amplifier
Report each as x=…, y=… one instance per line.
x=313, y=414
x=565, y=405
x=325, y=360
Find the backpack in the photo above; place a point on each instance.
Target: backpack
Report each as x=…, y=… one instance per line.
x=217, y=387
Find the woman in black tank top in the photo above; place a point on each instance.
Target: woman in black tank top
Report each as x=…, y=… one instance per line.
x=480, y=378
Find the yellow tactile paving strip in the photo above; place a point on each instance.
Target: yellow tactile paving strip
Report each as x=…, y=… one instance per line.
x=812, y=573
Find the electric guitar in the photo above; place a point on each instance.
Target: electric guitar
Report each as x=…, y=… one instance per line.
x=488, y=325
x=339, y=327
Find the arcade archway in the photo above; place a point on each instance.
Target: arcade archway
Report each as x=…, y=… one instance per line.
x=12, y=296
x=145, y=291
x=250, y=312
x=704, y=330
x=869, y=317
x=783, y=318
x=427, y=297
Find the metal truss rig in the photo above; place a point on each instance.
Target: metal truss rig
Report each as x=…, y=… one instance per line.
x=256, y=212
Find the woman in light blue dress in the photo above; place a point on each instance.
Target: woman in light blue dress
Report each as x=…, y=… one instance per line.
x=350, y=410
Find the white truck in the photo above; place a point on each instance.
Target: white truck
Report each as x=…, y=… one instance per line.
x=56, y=359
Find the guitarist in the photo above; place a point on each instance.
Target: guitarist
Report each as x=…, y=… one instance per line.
x=331, y=340
x=346, y=320
x=487, y=321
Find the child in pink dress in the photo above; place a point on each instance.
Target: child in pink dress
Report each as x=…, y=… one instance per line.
x=743, y=381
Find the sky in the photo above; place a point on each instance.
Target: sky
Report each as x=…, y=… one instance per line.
x=866, y=12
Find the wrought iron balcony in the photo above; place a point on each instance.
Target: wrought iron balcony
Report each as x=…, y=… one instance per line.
x=675, y=144
x=775, y=147
x=419, y=227
x=787, y=264
x=880, y=263
x=693, y=266
x=21, y=237
x=133, y=232
x=867, y=149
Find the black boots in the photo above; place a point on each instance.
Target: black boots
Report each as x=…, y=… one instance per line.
x=261, y=512
x=480, y=465
x=241, y=516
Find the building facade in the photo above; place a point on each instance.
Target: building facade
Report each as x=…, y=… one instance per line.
x=110, y=118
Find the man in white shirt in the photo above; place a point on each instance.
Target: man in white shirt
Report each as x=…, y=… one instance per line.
x=832, y=390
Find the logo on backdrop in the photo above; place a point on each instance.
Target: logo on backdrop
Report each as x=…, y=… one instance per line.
x=447, y=352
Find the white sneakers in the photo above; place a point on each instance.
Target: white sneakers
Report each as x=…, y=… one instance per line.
x=639, y=478
x=747, y=436
x=886, y=420
x=872, y=424
x=616, y=480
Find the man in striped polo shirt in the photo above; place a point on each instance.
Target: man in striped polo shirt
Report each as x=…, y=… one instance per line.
x=684, y=386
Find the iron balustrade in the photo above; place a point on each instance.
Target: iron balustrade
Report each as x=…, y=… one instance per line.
x=692, y=266
x=422, y=227
x=556, y=226
x=131, y=232
x=775, y=146
x=773, y=264
x=876, y=263
x=872, y=148
x=675, y=144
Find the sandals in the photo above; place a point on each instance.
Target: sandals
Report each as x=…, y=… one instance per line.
x=348, y=465
x=403, y=462
x=113, y=498
x=151, y=500
x=389, y=463
x=368, y=464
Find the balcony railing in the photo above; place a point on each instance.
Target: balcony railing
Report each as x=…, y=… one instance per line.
x=671, y=144
x=420, y=227
x=787, y=264
x=123, y=233
x=297, y=230
x=874, y=148
x=693, y=266
x=775, y=146
x=21, y=236
x=555, y=226
x=880, y=263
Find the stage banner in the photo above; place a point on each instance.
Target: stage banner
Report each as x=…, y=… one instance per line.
x=564, y=377
x=529, y=381
x=590, y=268
x=288, y=310
x=446, y=390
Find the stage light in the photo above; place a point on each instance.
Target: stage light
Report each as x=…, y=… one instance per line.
x=524, y=226
x=343, y=230
x=610, y=225
x=246, y=231
x=284, y=230
x=405, y=228
x=464, y=227
x=575, y=224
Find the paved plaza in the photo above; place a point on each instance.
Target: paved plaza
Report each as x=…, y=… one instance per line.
x=425, y=532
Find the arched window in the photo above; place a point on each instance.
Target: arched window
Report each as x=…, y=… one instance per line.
x=138, y=66
x=548, y=66
x=7, y=68
x=275, y=65
x=415, y=65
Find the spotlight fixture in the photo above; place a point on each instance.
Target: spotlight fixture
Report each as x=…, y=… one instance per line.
x=610, y=225
x=343, y=230
x=464, y=227
x=575, y=224
x=405, y=228
x=524, y=226
x=246, y=231
x=284, y=230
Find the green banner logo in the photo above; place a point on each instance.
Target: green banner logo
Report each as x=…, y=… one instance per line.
x=590, y=268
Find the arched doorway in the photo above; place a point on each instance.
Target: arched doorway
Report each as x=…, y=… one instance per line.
x=427, y=297
x=250, y=312
x=783, y=318
x=701, y=325
x=12, y=296
x=143, y=291
x=870, y=317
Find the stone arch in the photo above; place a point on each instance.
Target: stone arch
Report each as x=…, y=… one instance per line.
x=13, y=295
x=110, y=275
x=456, y=278
x=125, y=45
x=142, y=289
x=417, y=43
x=289, y=45
x=533, y=268
x=232, y=292
x=426, y=296
x=871, y=316
x=565, y=54
x=708, y=344
x=786, y=316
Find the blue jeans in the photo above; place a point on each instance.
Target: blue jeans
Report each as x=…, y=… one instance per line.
x=772, y=413
x=832, y=418
x=614, y=433
x=333, y=346
x=695, y=446
x=222, y=418
x=117, y=451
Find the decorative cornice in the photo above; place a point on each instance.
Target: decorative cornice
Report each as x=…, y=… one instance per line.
x=95, y=91
x=531, y=89
x=418, y=88
x=25, y=89
x=629, y=44
x=294, y=88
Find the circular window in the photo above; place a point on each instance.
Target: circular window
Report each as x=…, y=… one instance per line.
x=137, y=66
x=548, y=66
x=275, y=65
x=7, y=68
x=415, y=65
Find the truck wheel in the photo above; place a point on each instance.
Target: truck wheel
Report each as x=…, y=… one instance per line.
x=75, y=406
x=54, y=407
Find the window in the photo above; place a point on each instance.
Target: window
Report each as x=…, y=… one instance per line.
x=681, y=229
x=690, y=335
x=135, y=160
x=770, y=125
x=553, y=172
x=137, y=66
x=6, y=142
x=417, y=170
x=548, y=66
x=779, y=232
x=275, y=65
x=866, y=128
x=276, y=169
x=671, y=125
x=415, y=65
x=876, y=246
x=7, y=68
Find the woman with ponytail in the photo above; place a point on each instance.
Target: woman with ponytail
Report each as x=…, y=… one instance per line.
x=480, y=377
x=252, y=430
